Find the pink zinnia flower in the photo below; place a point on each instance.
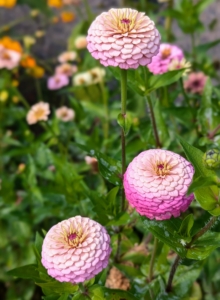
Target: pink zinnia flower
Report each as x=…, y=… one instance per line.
x=38, y=112
x=195, y=83
x=156, y=183
x=123, y=37
x=66, y=69
x=65, y=114
x=67, y=56
x=76, y=250
x=9, y=59
x=57, y=81
x=167, y=53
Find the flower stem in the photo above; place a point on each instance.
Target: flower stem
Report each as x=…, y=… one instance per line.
x=88, y=10
x=105, y=103
x=153, y=121
x=168, y=23
x=151, y=274
x=177, y=259
x=123, y=112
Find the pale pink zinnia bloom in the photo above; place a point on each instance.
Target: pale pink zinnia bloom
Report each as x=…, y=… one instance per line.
x=156, y=183
x=76, y=250
x=38, y=112
x=80, y=42
x=195, y=83
x=9, y=59
x=123, y=37
x=167, y=53
x=66, y=69
x=57, y=81
x=67, y=56
x=65, y=114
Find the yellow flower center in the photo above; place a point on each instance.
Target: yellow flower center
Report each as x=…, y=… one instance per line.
x=123, y=21
x=39, y=113
x=72, y=237
x=165, y=53
x=163, y=168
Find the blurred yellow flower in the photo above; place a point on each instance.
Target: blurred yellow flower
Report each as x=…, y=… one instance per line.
x=39, y=33
x=8, y=3
x=55, y=3
x=3, y=96
x=10, y=44
x=21, y=168
x=34, y=13
x=28, y=41
x=15, y=83
x=15, y=99
x=67, y=16
x=36, y=72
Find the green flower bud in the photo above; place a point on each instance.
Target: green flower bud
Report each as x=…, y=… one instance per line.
x=211, y=159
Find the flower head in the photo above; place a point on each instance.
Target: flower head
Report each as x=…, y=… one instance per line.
x=97, y=74
x=211, y=159
x=180, y=64
x=156, y=183
x=38, y=112
x=67, y=16
x=67, y=56
x=76, y=250
x=57, y=81
x=84, y=78
x=9, y=59
x=123, y=37
x=8, y=3
x=195, y=83
x=80, y=42
x=167, y=53
x=65, y=114
x=66, y=69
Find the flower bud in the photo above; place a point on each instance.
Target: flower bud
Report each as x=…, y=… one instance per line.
x=211, y=159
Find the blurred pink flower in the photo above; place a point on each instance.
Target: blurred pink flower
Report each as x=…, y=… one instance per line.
x=65, y=114
x=76, y=250
x=81, y=42
x=123, y=37
x=57, y=81
x=67, y=56
x=66, y=69
x=167, y=53
x=38, y=112
x=156, y=183
x=195, y=83
x=9, y=59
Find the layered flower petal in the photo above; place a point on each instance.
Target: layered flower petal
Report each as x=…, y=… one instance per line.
x=76, y=250
x=156, y=183
x=123, y=37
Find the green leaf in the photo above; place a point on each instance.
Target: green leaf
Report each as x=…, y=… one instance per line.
x=109, y=168
x=166, y=231
x=206, y=196
x=26, y=272
x=58, y=287
x=129, y=271
x=39, y=4
x=38, y=243
x=161, y=125
x=205, y=47
x=186, y=226
x=124, y=122
x=111, y=199
x=165, y=79
x=121, y=219
x=202, y=4
x=64, y=296
x=203, y=247
x=201, y=182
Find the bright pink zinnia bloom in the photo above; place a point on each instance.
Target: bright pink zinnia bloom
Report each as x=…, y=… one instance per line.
x=156, y=183
x=76, y=250
x=167, y=53
x=123, y=37
x=195, y=83
x=57, y=81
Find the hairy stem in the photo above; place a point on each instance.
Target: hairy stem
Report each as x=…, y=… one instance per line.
x=151, y=274
x=153, y=121
x=123, y=112
x=177, y=259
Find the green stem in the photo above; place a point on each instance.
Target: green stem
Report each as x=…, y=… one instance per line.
x=117, y=254
x=151, y=274
x=153, y=121
x=184, y=92
x=21, y=98
x=13, y=23
x=168, y=23
x=105, y=103
x=193, y=45
x=177, y=259
x=123, y=112
x=38, y=89
x=88, y=10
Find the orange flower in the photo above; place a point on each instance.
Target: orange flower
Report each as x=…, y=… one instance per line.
x=55, y=3
x=67, y=16
x=8, y=3
x=28, y=62
x=10, y=44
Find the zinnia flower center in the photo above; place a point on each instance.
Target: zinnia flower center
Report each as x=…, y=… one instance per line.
x=72, y=237
x=196, y=83
x=39, y=113
x=6, y=56
x=165, y=53
x=122, y=21
x=163, y=168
